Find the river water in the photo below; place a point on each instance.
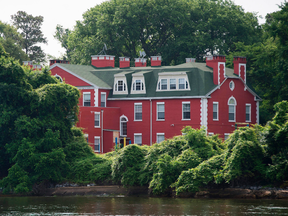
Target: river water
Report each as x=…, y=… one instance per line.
x=85, y=205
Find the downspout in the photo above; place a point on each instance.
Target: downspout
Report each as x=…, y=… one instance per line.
x=150, y=122
x=102, y=130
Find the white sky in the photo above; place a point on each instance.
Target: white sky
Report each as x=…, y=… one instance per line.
x=66, y=13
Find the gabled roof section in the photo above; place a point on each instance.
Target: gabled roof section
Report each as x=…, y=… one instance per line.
x=85, y=72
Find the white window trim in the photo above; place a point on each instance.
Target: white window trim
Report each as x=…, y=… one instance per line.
x=86, y=136
x=234, y=109
x=233, y=87
x=176, y=76
x=86, y=93
x=103, y=93
x=159, y=103
x=121, y=132
x=115, y=87
x=217, y=111
x=135, y=112
x=226, y=134
x=141, y=78
x=138, y=134
x=210, y=134
x=98, y=113
x=249, y=112
x=159, y=134
x=97, y=137
x=60, y=78
x=185, y=102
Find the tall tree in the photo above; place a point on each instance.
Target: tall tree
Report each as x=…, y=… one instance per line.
x=62, y=35
x=12, y=41
x=30, y=29
x=174, y=29
x=267, y=67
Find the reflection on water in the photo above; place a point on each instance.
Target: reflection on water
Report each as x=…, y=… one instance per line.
x=138, y=206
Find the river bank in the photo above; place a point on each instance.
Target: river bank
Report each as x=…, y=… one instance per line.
x=116, y=190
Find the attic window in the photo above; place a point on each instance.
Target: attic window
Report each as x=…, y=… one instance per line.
x=138, y=85
x=120, y=86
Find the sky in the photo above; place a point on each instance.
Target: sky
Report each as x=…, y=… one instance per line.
x=66, y=13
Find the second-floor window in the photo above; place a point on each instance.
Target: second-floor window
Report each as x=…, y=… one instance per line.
x=103, y=99
x=186, y=110
x=248, y=112
x=138, y=111
x=160, y=111
x=232, y=109
x=215, y=111
x=96, y=119
x=86, y=99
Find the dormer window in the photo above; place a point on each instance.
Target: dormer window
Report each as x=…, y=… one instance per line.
x=162, y=85
x=120, y=86
x=138, y=85
x=178, y=81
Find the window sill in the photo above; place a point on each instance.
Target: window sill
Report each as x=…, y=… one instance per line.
x=215, y=119
x=231, y=120
x=137, y=120
x=160, y=119
x=185, y=119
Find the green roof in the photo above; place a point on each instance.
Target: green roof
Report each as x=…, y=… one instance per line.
x=200, y=78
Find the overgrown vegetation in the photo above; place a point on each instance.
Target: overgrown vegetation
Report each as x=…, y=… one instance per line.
x=39, y=145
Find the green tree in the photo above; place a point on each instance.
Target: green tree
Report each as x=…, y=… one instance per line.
x=172, y=29
x=267, y=67
x=30, y=29
x=62, y=35
x=12, y=41
x=37, y=140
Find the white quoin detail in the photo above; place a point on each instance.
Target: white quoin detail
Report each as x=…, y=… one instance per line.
x=219, y=64
x=204, y=113
x=257, y=112
x=96, y=97
x=244, y=71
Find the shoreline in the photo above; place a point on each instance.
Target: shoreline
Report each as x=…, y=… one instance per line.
x=116, y=190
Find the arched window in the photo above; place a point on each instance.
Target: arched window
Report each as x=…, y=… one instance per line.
x=59, y=78
x=232, y=109
x=123, y=125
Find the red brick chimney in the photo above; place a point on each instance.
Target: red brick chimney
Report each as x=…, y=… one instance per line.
x=54, y=61
x=103, y=61
x=217, y=62
x=155, y=61
x=240, y=67
x=140, y=62
x=190, y=60
x=124, y=62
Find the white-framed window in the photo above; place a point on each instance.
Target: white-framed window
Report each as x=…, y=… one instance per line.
x=137, y=111
x=186, y=111
x=231, y=85
x=58, y=77
x=173, y=84
x=86, y=99
x=160, y=111
x=138, y=85
x=120, y=86
x=226, y=136
x=138, y=138
x=103, y=99
x=97, y=119
x=97, y=143
x=248, y=113
x=232, y=109
x=210, y=134
x=162, y=85
x=215, y=111
x=86, y=138
x=123, y=125
x=160, y=137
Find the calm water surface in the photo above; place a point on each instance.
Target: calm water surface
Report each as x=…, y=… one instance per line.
x=138, y=206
